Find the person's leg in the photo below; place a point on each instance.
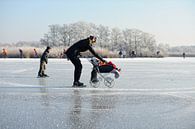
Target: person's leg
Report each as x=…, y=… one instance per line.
x=44, y=68
x=40, y=70
x=93, y=74
x=78, y=69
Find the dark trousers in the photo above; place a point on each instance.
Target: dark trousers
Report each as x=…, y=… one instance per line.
x=78, y=68
x=102, y=69
x=42, y=68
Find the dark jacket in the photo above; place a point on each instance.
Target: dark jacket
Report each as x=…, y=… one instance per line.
x=81, y=46
x=44, y=57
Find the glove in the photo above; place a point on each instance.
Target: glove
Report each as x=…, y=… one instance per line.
x=104, y=61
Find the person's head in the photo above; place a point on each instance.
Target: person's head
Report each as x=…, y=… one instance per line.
x=92, y=39
x=48, y=48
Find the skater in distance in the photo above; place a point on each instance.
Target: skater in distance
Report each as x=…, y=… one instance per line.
x=43, y=62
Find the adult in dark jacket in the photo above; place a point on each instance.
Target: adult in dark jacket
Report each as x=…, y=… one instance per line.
x=43, y=62
x=73, y=54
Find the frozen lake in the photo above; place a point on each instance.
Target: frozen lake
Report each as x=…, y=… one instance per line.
x=151, y=93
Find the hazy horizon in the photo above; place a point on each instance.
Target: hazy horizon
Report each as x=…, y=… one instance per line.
x=171, y=21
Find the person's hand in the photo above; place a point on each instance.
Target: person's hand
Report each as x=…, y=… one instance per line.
x=104, y=61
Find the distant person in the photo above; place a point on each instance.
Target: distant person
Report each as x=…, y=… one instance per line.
x=35, y=53
x=120, y=53
x=124, y=54
x=133, y=54
x=158, y=53
x=4, y=53
x=21, y=53
x=62, y=54
x=73, y=54
x=184, y=55
x=43, y=62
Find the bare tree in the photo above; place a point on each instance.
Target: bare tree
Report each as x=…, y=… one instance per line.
x=136, y=37
x=127, y=37
x=103, y=36
x=113, y=39
x=45, y=40
x=54, y=31
x=116, y=38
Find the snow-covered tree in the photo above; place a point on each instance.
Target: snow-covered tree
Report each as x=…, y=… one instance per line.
x=103, y=36
x=114, y=39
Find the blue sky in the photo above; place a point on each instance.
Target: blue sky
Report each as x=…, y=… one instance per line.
x=171, y=21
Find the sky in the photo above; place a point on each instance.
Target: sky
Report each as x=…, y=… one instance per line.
x=171, y=21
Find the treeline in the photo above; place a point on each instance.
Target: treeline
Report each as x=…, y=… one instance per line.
x=113, y=39
x=111, y=42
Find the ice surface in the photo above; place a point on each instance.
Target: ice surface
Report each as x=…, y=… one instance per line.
x=151, y=93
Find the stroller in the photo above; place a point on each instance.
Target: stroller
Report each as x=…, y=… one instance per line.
x=104, y=73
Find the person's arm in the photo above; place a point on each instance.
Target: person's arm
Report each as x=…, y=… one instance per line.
x=95, y=54
x=45, y=58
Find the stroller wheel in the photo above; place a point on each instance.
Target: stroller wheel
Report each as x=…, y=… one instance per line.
x=95, y=85
x=109, y=82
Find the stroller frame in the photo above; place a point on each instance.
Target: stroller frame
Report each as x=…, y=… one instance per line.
x=107, y=80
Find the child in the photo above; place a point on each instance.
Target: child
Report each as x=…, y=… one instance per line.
x=43, y=62
x=103, y=68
